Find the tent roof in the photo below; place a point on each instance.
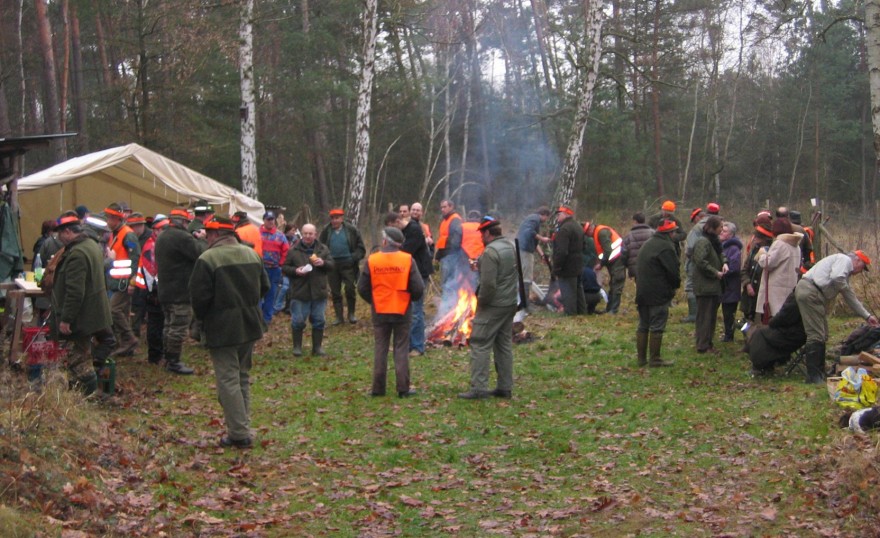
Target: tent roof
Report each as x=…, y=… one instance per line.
x=137, y=168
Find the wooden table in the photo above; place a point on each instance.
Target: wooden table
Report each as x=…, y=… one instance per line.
x=15, y=298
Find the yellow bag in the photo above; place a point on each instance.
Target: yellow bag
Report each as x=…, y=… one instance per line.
x=856, y=389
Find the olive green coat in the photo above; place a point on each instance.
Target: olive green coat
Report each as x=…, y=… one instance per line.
x=79, y=295
x=707, y=263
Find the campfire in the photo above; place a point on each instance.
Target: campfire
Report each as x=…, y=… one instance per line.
x=454, y=327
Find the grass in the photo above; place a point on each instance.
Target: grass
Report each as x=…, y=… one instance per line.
x=590, y=445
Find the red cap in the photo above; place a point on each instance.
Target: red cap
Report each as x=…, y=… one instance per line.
x=667, y=226
x=566, y=210
x=713, y=208
x=696, y=213
x=337, y=212
x=159, y=224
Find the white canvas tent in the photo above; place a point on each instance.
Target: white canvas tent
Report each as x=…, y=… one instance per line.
x=147, y=181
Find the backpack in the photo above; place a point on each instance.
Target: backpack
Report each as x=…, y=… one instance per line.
x=862, y=339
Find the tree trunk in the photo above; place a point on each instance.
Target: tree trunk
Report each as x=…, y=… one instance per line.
x=682, y=191
x=102, y=48
x=365, y=91
x=50, y=81
x=655, y=100
x=5, y=124
x=248, y=111
x=79, y=100
x=872, y=23
x=65, y=63
x=593, y=22
x=538, y=16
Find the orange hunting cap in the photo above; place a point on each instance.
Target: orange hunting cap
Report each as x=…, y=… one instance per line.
x=337, y=212
x=668, y=205
x=864, y=257
x=667, y=226
x=566, y=210
x=220, y=223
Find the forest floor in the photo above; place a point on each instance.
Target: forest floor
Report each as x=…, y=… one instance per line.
x=589, y=445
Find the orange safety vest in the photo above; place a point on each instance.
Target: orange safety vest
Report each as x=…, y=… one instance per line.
x=389, y=276
x=616, y=242
x=121, y=268
x=471, y=240
x=444, y=230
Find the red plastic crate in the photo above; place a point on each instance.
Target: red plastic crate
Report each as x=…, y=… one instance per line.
x=40, y=351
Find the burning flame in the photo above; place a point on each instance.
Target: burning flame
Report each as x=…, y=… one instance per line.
x=454, y=328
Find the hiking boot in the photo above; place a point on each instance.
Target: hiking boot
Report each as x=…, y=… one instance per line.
x=407, y=394
x=179, y=368
x=126, y=348
x=501, y=393
x=227, y=442
x=474, y=394
x=352, y=301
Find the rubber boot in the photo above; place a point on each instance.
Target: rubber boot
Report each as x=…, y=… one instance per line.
x=692, y=309
x=352, y=302
x=297, y=342
x=815, y=361
x=642, y=348
x=317, y=340
x=173, y=365
x=654, y=343
x=337, y=308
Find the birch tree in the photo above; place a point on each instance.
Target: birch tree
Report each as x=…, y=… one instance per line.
x=362, y=121
x=594, y=18
x=872, y=24
x=248, y=102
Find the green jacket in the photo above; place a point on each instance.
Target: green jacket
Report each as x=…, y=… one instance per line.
x=79, y=295
x=355, y=241
x=226, y=286
x=568, y=249
x=176, y=254
x=707, y=263
x=657, y=267
x=310, y=286
x=499, y=284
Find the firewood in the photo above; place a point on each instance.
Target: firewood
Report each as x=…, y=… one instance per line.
x=868, y=358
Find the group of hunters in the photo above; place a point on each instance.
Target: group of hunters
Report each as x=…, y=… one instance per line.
x=220, y=280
